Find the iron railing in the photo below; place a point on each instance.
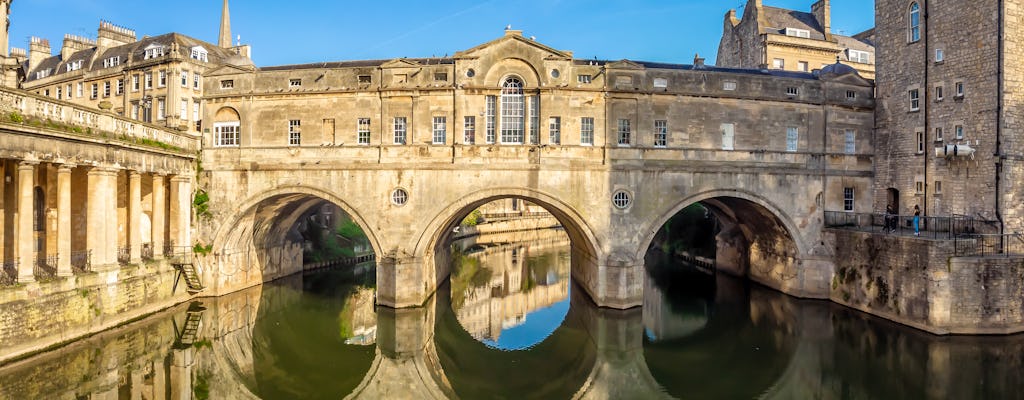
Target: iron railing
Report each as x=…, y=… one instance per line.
x=179, y=254
x=930, y=227
x=124, y=254
x=9, y=273
x=81, y=261
x=147, y=251
x=45, y=265
x=989, y=245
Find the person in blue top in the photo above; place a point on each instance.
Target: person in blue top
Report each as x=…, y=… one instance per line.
x=917, y=220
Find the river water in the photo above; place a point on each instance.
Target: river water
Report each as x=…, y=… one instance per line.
x=511, y=324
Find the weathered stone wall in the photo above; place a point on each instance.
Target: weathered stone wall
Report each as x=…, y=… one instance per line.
x=1013, y=116
x=916, y=282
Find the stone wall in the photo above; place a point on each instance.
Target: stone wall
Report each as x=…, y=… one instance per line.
x=916, y=282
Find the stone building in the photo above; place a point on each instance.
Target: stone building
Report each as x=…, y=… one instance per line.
x=155, y=80
x=950, y=105
x=777, y=38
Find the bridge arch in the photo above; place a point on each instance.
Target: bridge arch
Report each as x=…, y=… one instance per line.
x=777, y=247
x=431, y=241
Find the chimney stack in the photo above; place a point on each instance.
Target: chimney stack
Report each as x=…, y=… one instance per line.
x=225, y=28
x=823, y=14
x=38, y=50
x=110, y=35
x=698, y=61
x=73, y=44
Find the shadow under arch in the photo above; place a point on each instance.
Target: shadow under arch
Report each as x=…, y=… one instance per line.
x=435, y=237
x=476, y=371
x=513, y=67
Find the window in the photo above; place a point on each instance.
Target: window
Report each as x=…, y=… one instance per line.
x=163, y=78
x=920, y=143
x=184, y=109
x=919, y=187
x=512, y=111
x=106, y=89
x=492, y=102
x=81, y=86
x=120, y=87
x=583, y=78
x=95, y=91
x=440, y=126
x=587, y=131
x=555, y=130
x=135, y=111
x=43, y=74
x=154, y=51
x=399, y=130
x=938, y=187
x=226, y=134
x=294, y=132
x=111, y=62
x=851, y=95
x=938, y=93
x=441, y=76
x=728, y=136
x=803, y=33
x=959, y=89
x=294, y=82
x=184, y=79
x=469, y=130
x=135, y=83
x=227, y=84
x=365, y=79
x=161, y=110
x=660, y=133
x=535, y=119
x=621, y=200
x=363, y=131
x=195, y=80
x=399, y=197
x=792, y=91
x=850, y=141
x=59, y=92
x=778, y=63
x=802, y=66
x=862, y=57
x=959, y=131
x=74, y=66
x=847, y=199
x=915, y=22
x=729, y=85
x=915, y=100
x=199, y=53
x=792, y=138
x=660, y=83
x=938, y=134
x=149, y=80
x=940, y=55
x=46, y=92
x=195, y=110
x=624, y=132
x=68, y=90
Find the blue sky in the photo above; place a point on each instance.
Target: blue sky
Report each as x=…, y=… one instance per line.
x=303, y=31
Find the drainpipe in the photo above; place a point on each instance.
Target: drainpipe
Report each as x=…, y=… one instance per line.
x=999, y=116
x=927, y=105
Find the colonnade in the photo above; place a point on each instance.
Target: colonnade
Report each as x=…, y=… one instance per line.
x=59, y=218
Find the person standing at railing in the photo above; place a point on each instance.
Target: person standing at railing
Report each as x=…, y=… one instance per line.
x=890, y=218
x=917, y=220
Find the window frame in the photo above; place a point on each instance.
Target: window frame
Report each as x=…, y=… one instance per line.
x=295, y=132
x=914, y=23
x=849, y=197
x=792, y=139
x=587, y=131
x=850, y=141
x=219, y=138
x=661, y=133
x=400, y=130
x=363, y=133
x=439, y=127
x=624, y=134
x=469, y=129
x=914, y=95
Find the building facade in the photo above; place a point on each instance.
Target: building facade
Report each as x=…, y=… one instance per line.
x=775, y=38
x=949, y=110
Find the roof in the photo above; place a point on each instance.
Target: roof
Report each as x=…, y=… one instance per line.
x=133, y=51
x=848, y=42
x=358, y=64
x=778, y=19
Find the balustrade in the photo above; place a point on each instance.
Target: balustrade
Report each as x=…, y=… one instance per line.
x=81, y=261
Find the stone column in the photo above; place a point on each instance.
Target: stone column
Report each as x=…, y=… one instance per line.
x=101, y=221
x=134, y=217
x=64, y=220
x=26, y=232
x=159, y=218
x=180, y=210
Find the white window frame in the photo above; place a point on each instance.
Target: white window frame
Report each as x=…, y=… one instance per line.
x=939, y=95
x=938, y=134
x=803, y=66
x=293, y=83
x=154, y=51
x=940, y=55
x=184, y=109
x=555, y=130
x=162, y=81
x=920, y=142
x=587, y=131
x=660, y=133
x=161, y=108
x=195, y=110
x=81, y=89
x=800, y=33
x=959, y=89
x=584, y=78
x=792, y=139
x=200, y=53
x=848, y=199
x=915, y=99
x=660, y=83
x=534, y=119
x=728, y=136
x=135, y=83
x=513, y=112
x=959, y=132
x=149, y=80
x=491, y=119
x=850, y=141
x=106, y=89
x=400, y=129
x=469, y=129
x=227, y=134
x=625, y=132
x=184, y=79
x=439, y=127
x=778, y=63
x=363, y=131
x=294, y=132
x=729, y=85
x=119, y=89
x=858, y=56
x=195, y=80
x=914, y=23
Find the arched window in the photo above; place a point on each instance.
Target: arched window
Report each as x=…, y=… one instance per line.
x=227, y=128
x=512, y=111
x=915, y=22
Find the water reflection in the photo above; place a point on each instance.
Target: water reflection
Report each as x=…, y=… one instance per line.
x=319, y=336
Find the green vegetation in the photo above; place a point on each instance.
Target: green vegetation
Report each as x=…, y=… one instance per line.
x=692, y=230
x=473, y=218
x=336, y=244
x=466, y=274
x=200, y=203
x=201, y=387
x=200, y=249
x=16, y=117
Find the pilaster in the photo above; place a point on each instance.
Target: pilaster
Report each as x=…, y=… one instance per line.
x=134, y=217
x=26, y=232
x=64, y=220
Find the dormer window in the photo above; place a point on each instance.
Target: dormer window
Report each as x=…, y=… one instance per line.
x=111, y=62
x=801, y=33
x=154, y=51
x=199, y=53
x=43, y=73
x=74, y=66
x=862, y=57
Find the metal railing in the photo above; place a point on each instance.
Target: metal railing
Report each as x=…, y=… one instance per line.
x=147, y=251
x=989, y=245
x=45, y=265
x=179, y=254
x=9, y=273
x=81, y=261
x=930, y=227
x=124, y=254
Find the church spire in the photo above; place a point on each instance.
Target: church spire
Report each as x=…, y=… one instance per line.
x=225, y=28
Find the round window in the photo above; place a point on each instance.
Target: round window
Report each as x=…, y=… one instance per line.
x=555, y=73
x=399, y=197
x=621, y=199
x=470, y=73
